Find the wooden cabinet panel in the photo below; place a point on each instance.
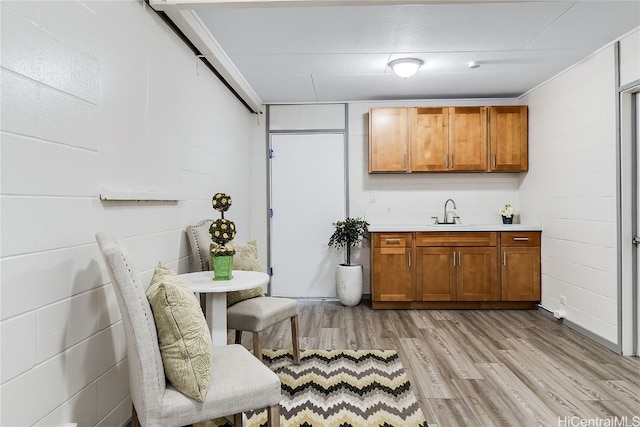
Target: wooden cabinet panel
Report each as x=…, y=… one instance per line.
x=391, y=267
x=520, y=266
x=435, y=274
x=468, y=138
x=457, y=238
x=520, y=238
x=388, y=139
x=508, y=130
x=477, y=274
x=391, y=239
x=429, y=139
x=520, y=274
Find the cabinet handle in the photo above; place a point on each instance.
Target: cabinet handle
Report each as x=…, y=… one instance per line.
x=409, y=257
x=460, y=259
x=504, y=257
x=494, y=160
x=404, y=161
x=393, y=241
x=446, y=161
x=454, y=258
x=521, y=239
x=452, y=161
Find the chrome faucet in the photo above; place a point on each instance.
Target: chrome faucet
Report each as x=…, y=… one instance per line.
x=445, y=219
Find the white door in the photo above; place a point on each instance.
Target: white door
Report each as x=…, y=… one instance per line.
x=308, y=194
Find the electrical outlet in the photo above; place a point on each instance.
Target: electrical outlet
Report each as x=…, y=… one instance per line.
x=563, y=300
x=372, y=198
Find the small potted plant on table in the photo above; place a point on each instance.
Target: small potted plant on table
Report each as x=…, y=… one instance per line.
x=347, y=234
x=222, y=231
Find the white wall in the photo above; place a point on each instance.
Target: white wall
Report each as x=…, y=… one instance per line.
x=66, y=94
x=418, y=196
x=572, y=181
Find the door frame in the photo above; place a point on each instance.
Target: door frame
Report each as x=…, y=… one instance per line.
x=301, y=131
x=628, y=210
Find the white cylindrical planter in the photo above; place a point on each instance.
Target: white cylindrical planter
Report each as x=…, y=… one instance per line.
x=349, y=284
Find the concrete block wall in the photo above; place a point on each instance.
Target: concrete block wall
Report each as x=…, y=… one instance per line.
x=572, y=181
x=78, y=77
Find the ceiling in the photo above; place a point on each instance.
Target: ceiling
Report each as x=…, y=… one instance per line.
x=335, y=53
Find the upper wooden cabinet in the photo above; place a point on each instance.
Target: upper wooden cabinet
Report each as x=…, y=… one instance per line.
x=429, y=139
x=468, y=138
x=508, y=129
x=388, y=137
x=456, y=139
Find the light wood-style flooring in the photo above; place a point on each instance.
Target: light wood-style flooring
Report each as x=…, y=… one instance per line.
x=483, y=367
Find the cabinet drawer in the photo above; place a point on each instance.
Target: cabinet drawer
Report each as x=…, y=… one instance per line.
x=385, y=240
x=457, y=238
x=520, y=238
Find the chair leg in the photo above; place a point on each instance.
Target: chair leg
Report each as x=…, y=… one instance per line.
x=135, y=422
x=238, y=337
x=257, y=345
x=273, y=416
x=237, y=420
x=294, y=339
x=203, y=303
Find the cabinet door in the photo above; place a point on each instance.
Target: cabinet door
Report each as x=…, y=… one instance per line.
x=435, y=274
x=477, y=274
x=521, y=274
x=468, y=138
x=508, y=135
x=388, y=139
x=391, y=278
x=429, y=139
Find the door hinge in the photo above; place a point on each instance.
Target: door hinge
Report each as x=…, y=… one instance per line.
x=270, y=271
x=636, y=241
x=270, y=213
x=271, y=153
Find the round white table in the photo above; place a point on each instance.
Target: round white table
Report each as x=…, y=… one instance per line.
x=216, y=296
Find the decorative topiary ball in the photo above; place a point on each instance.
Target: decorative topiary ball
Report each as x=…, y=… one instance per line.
x=221, y=202
x=222, y=231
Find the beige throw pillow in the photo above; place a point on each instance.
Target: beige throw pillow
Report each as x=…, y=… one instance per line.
x=183, y=334
x=245, y=258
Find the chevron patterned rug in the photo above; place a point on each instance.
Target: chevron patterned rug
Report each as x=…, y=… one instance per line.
x=346, y=388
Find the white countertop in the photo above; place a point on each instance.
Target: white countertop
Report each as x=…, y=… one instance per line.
x=374, y=228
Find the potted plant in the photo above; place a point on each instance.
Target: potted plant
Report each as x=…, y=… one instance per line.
x=507, y=214
x=348, y=234
x=222, y=231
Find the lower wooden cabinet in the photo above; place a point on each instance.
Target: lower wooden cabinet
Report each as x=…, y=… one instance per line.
x=391, y=267
x=477, y=274
x=520, y=266
x=435, y=274
x=455, y=270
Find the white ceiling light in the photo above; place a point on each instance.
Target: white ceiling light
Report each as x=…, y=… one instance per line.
x=405, y=67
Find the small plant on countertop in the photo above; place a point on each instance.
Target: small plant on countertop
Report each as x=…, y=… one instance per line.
x=507, y=210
